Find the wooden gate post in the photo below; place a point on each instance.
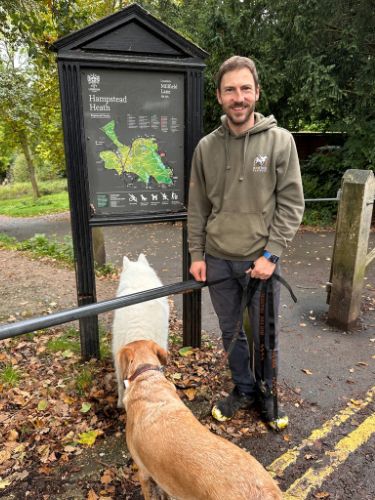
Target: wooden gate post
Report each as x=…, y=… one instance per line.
x=350, y=249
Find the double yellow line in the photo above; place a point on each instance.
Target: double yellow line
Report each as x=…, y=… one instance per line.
x=314, y=477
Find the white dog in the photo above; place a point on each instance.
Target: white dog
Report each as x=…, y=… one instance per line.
x=144, y=321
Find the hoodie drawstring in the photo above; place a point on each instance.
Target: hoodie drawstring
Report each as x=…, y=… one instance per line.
x=227, y=156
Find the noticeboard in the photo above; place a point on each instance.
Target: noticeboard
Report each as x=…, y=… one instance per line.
x=132, y=108
x=134, y=135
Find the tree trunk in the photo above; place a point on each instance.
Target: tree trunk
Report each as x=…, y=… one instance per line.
x=30, y=164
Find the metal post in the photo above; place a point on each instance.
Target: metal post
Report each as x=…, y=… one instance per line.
x=79, y=205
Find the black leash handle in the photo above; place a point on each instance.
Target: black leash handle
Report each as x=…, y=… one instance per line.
x=247, y=296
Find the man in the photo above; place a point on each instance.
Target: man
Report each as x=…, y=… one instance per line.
x=245, y=204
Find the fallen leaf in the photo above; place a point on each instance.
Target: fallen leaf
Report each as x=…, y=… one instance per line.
x=107, y=477
x=190, y=393
x=13, y=435
x=45, y=469
x=356, y=402
x=92, y=495
x=19, y=400
x=186, y=351
x=67, y=354
x=308, y=372
x=4, y=483
x=43, y=452
x=88, y=438
x=70, y=449
x=5, y=455
x=362, y=363
x=85, y=407
x=68, y=399
x=322, y=494
x=42, y=405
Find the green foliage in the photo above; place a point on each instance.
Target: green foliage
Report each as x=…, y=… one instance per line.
x=18, y=170
x=321, y=175
x=320, y=214
x=22, y=189
x=104, y=342
x=8, y=242
x=105, y=270
x=84, y=379
x=41, y=246
x=316, y=61
x=10, y=376
x=29, y=207
x=68, y=341
x=322, y=172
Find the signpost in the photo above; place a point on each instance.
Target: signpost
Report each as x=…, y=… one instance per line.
x=132, y=99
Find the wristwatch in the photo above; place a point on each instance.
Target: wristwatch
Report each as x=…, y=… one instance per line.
x=270, y=256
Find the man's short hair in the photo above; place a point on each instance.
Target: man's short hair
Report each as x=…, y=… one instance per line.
x=237, y=62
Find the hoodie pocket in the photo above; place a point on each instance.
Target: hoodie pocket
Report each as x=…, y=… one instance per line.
x=236, y=233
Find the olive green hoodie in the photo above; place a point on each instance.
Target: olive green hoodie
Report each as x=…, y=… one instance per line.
x=245, y=192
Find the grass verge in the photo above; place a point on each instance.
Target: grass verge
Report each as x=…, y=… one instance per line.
x=16, y=199
x=26, y=206
x=41, y=246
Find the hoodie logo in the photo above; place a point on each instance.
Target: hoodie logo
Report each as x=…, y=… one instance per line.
x=260, y=164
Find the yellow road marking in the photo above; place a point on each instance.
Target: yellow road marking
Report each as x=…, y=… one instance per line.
x=281, y=463
x=315, y=477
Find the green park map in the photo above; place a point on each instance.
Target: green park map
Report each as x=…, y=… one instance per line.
x=140, y=158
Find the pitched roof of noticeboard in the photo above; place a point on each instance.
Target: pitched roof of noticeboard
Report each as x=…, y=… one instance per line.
x=131, y=31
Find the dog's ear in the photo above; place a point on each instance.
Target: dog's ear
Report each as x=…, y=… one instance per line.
x=125, y=262
x=142, y=259
x=160, y=353
x=125, y=357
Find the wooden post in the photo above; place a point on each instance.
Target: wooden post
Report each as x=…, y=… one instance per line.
x=350, y=249
x=98, y=246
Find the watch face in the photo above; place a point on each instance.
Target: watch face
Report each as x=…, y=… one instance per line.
x=273, y=259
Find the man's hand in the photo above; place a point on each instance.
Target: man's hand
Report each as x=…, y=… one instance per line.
x=198, y=270
x=263, y=269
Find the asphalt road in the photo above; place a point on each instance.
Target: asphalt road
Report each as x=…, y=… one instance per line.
x=331, y=441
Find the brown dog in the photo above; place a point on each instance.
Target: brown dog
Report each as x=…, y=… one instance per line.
x=176, y=455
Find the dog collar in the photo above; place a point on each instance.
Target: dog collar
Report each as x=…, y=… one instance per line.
x=141, y=369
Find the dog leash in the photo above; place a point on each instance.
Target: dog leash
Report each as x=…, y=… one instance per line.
x=247, y=296
x=278, y=423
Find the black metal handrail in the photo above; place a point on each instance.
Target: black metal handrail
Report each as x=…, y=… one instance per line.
x=38, y=323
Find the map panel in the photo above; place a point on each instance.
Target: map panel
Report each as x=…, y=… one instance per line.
x=134, y=132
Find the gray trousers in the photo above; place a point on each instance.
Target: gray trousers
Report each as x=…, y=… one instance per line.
x=226, y=300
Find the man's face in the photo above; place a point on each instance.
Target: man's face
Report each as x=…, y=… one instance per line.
x=237, y=96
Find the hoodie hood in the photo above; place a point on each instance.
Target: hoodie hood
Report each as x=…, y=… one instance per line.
x=261, y=124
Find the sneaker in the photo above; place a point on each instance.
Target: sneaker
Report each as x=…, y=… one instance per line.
x=278, y=422
x=227, y=407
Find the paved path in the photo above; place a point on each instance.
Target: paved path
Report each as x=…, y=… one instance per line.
x=327, y=367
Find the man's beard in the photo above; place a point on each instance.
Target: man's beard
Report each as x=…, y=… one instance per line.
x=250, y=108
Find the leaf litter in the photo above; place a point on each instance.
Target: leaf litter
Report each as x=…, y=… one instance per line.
x=49, y=419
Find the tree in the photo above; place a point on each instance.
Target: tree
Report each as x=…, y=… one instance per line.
x=18, y=117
